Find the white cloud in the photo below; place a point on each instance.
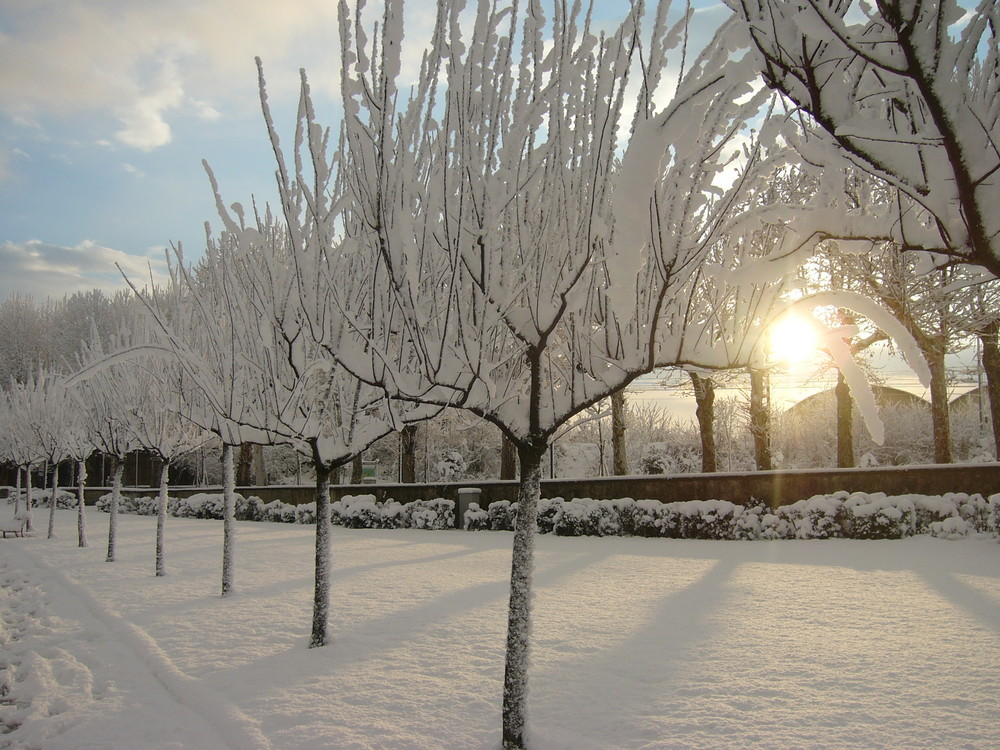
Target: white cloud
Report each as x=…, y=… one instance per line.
x=143, y=117
x=148, y=63
x=43, y=270
x=206, y=111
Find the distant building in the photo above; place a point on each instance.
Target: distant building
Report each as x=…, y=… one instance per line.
x=808, y=431
x=976, y=401
x=885, y=397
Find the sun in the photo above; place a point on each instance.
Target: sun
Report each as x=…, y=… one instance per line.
x=792, y=340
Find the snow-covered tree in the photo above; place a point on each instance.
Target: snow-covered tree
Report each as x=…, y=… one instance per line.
x=50, y=414
x=107, y=397
x=78, y=447
x=213, y=337
x=529, y=243
x=908, y=91
x=810, y=210
x=156, y=402
x=530, y=263
x=158, y=420
x=40, y=406
x=306, y=285
x=49, y=333
x=978, y=309
x=79, y=317
x=6, y=449
x=25, y=340
x=923, y=303
x=17, y=443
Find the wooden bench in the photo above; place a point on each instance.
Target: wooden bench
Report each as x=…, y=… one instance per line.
x=16, y=526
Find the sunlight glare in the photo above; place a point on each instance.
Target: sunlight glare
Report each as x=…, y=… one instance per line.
x=792, y=340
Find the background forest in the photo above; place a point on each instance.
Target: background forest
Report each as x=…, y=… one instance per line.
x=455, y=446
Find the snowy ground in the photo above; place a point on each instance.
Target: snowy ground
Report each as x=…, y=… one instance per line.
x=638, y=643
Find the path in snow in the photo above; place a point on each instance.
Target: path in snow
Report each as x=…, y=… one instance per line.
x=74, y=676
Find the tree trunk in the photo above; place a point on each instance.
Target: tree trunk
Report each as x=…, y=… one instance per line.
x=244, y=466
x=991, y=366
x=619, y=457
x=17, y=493
x=408, y=454
x=117, y=470
x=515, y=685
x=357, y=470
x=940, y=416
x=845, y=424
x=81, y=516
x=228, y=518
x=259, y=467
x=54, y=474
x=600, y=451
x=321, y=589
x=508, y=458
x=760, y=419
x=29, y=500
x=704, y=397
x=161, y=518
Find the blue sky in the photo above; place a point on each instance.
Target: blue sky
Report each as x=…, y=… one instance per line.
x=107, y=108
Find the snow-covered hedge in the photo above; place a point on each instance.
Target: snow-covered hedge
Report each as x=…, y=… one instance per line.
x=140, y=506
x=477, y=519
x=361, y=511
x=40, y=498
x=857, y=515
x=364, y=512
x=204, y=505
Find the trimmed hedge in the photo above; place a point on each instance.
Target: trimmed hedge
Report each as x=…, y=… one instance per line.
x=857, y=515
x=353, y=512
x=40, y=498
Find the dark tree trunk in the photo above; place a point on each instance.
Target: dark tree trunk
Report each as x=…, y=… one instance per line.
x=515, y=686
x=991, y=366
x=357, y=470
x=845, y=424
x=940, y=416
x=408, y=454
x=760, y=419
x=244, y=466
x=259, y=467
x=17, y=491
x=619, y=456
x=704, y=397
x=321, y=589
x=508, y=458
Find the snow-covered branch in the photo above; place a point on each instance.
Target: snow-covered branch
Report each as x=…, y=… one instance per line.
x=906, y=91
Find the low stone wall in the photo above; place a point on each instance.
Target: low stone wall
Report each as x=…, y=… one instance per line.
x=774, y=487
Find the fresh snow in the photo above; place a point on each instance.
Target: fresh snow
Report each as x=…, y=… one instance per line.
x=637, y=643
